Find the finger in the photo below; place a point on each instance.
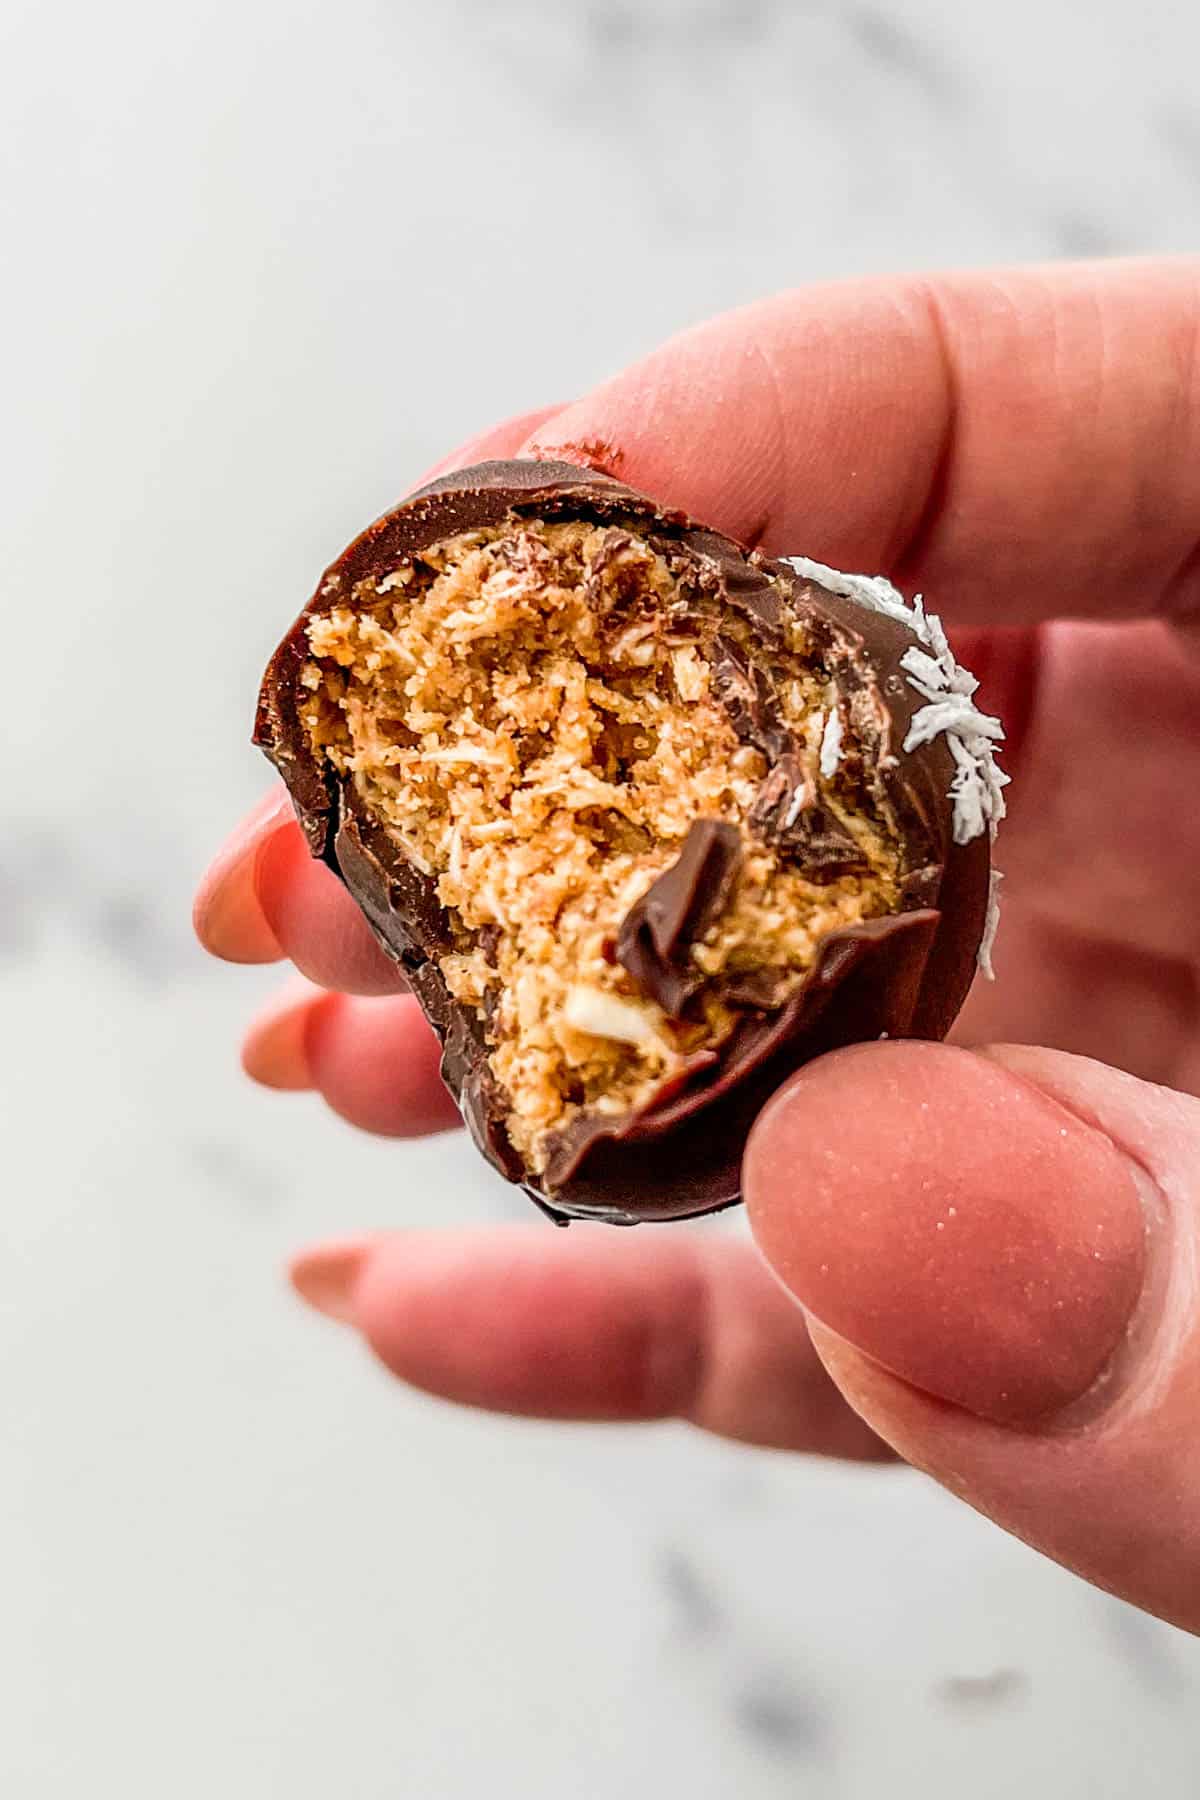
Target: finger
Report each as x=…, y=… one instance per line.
x=226, y=915
x=374, y=1061
x=1083, y=994
x=316, y=921
x=265, y=897
x=1021, y=444
x=1126, y=699
x=275, y=1048
x=498, y=441
x=327, y=938
x=587, y=1325
x=999, y=1250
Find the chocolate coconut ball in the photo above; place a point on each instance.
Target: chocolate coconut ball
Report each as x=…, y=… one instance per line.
x=647, y=820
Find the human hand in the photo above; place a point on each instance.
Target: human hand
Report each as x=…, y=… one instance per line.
x=995, y=1249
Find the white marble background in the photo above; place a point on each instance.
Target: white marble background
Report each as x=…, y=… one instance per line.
x=264, y=261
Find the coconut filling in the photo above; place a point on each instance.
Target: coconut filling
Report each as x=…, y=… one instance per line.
x=531, y=713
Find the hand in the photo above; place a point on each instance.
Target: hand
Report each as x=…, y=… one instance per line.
x=995, y=1249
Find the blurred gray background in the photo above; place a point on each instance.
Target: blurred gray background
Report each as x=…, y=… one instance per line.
x=264, y=262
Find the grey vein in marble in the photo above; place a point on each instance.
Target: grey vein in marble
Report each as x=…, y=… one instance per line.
x=789, y=1721
x=979, y=1694
x=1080, y=234
x=1149, y=1649
x=230, y=1169
x=1179, y=129
x=893, y=46
x=699, y=1615
x=49, y=876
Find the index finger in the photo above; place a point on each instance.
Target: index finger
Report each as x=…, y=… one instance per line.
x=1020, y=444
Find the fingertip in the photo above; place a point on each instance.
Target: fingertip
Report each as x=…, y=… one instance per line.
x=317, y=923
x=227, y=916
x=275, y=1047
x=326, y=1276
x=501, y=440
x=1045, y=1370
x=376, y=1063
x=952, y=1222
x=720, y=465
x=588, y=1325
x=519, y=1320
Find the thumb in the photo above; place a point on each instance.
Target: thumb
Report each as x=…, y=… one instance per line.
x=998, y=1254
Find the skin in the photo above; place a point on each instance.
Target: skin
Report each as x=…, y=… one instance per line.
x=979, y=1258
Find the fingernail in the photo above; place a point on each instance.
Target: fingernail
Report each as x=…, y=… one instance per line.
x=275, y=1048
x=227, y=916
x=952, y=1222
x=327, y=1276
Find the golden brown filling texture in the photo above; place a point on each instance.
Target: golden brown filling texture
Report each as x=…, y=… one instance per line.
x=530, y=711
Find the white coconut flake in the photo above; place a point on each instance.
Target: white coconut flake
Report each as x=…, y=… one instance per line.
x=926, y=672
x=605, y=1016
x=691, y=676
x=977, y=790
x=991, y=925
x=799, y=802
x=955, y=716
x=464, y=753
x=831, y=744
x=454, y=862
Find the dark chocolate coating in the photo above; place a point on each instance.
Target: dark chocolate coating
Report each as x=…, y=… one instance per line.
x=675, y=910
x=904, y=976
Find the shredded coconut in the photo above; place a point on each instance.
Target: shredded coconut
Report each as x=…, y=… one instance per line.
x=465, y=753
x=799, y=801
x=606, y=1016
x=831, y=744
x=977, y=790
x=990, y=925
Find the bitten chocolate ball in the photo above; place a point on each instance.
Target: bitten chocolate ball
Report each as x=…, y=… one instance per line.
x=647, y=820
